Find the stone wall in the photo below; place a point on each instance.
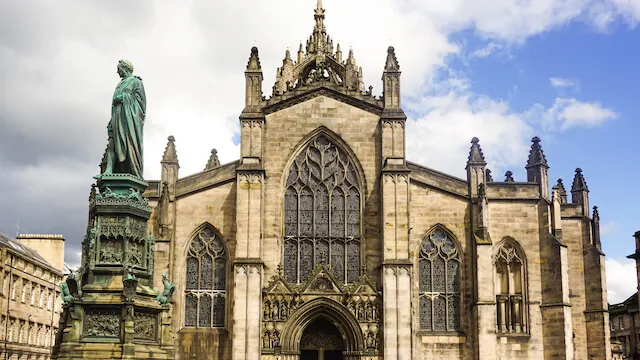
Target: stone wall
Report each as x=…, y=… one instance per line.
x=286, y=132
x=49, y=246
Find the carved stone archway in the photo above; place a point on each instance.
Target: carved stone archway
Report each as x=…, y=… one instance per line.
x=328, y=310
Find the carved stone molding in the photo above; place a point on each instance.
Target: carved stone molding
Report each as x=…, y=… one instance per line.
x=101, y=323
x=145, y=325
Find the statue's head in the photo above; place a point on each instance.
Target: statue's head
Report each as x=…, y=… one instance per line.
x=165, y=276
x=125, y=67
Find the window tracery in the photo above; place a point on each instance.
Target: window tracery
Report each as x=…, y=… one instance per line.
x=206, y=281
x=439, y=283
x=322, y=207
x=510, y=285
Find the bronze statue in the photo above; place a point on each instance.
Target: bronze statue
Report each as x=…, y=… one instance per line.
x=124, y=151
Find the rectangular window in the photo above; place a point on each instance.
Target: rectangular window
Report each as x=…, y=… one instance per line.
x=13, y=288
x=621, y=320
x=612, y=325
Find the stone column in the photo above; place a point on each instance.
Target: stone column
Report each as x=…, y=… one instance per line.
x=557, y=318
x=247, y=293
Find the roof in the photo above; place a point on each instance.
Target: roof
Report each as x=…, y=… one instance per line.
x=26, y=252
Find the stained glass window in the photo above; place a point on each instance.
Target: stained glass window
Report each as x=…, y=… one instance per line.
x=206, y=281
x=510, y=279
x=322, y=214
x=439, y=283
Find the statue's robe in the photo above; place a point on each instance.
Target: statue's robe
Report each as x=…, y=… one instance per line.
x=127, y=121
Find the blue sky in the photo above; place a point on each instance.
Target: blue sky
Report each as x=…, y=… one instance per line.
x=601, y=66
x=503, y=71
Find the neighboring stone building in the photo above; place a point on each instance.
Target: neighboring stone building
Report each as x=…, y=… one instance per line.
x=625, y=318
x=49, y=246
x=29, y=298
x=323, y=242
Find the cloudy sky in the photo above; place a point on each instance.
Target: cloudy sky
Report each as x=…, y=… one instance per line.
x=500, y=70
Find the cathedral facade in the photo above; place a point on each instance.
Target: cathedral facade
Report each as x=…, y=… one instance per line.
x=324, y=242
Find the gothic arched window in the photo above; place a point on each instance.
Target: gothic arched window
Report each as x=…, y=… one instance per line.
x=510, y=288
x=322, y=211
x=206, y=281
x=439, y=282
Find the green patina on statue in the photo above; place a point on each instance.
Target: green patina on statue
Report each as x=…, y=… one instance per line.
x=169, y=287
x=124, y=151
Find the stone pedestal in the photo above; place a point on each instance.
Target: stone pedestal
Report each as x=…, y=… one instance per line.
x=111, y=311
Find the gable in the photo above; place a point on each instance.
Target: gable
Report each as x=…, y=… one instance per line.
x=353, y=98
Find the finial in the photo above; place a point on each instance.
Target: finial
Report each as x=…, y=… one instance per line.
x=508, y=176
x=596, y=215
x=536, y=155
x=579, y=183
x=319, y=5
x=254, y=60
x=170, y=153
x=392, y=60
x=488, y=175
x=476, y=157
x=213, y=162
x=562, y=191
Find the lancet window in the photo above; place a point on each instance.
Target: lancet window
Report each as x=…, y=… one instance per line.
x=322, y=211
x=206, y=281
x=439, y=283
x=510, y=285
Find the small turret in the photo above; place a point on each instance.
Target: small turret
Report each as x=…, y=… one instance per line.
x=253, y=79
x=301, y=53
x=538, y=168
x=170, y=165
x=580, y=191
x=595, y=227
x=170, y=155
x=339, y=54
x=556, y=212
x=391, y=81
x=562, y=191
x=476, y=168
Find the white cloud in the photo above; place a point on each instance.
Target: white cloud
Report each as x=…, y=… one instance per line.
x=59, y=65
x=451, y=115
x=609, y=227
x=484, y=52
x=568, y=113
x=621, y=279
x=557, y=82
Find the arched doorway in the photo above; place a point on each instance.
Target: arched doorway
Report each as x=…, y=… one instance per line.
x=321, y=340
x=327, y=316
